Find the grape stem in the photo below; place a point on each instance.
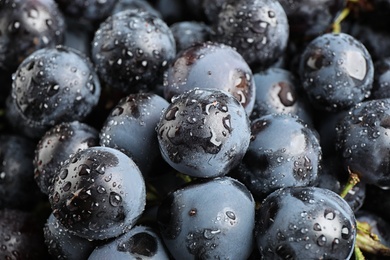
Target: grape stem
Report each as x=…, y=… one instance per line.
x=369, y=242
x=337, y=22
x=352, y=181
x=366, y=241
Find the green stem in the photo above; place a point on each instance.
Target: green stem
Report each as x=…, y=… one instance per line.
x=369, y=242
x=358, y=253
x=352, y=181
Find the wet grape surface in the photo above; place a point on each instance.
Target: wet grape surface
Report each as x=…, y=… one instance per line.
x=194, y=129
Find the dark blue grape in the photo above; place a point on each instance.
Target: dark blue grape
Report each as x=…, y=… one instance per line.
x=143, y=5
x=26, y=26
x=189, y=33
x=56, y=146
x=99, y=193
x=213, y=219
x=283, y=152
x=212, y=66
x=204, y=133
x=131, y=50
x=17, y=187
x=363, y=141
x=51, y=86
x=61, y=244
x=131, y=128
x=381, y=84
x=258, y=29
x=277, y=91
x=90, y=10
x=308, y=18
x=140, y=242
x=336, y=71
x=305, y=223
x=21, y=236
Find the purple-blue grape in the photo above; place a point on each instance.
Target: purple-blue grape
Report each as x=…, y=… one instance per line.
x=131, y=128
x=204, y=133
x=99, y=193
x=131, y=50
x=336, y=71
x=305, y=223
x=211, y=65
x=56, y=146
x=209, y=219
x=26, y=26
x=51, y=86
x=258, y=29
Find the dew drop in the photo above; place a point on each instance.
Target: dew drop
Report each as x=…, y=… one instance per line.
x=191, y=120
x=100, y=189
x=101, y=168
x=335, y=243
x=115, y=199
x=321, y=241
x=209, y=233
x=63, y=174
x=108, y=178
x=231, y=215
x=317, y=227
x=56, y=197
x=84, y=170
x=345, y=234
x=67, y=186
x=329, y=214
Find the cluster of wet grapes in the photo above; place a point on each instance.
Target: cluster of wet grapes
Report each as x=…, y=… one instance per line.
x=196, y=129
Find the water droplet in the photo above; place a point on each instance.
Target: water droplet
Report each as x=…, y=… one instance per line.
x=74, y=159
x=84, y=170
x=231, y=215
x=100, y=189
x=345, y=233
x=321, y=241
x=63, y=173
x=101, y=168
x=171, y=113
x=115, y=199
x=209, y=233
x=52, y=90
x=49, y=22
x=317, y=227
x=376, y=134
x=335, y=243
x=67, y=186
x=191, y=120
x=33, y=13
x=329, y=214
x=56, y=197
x=108, y=178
